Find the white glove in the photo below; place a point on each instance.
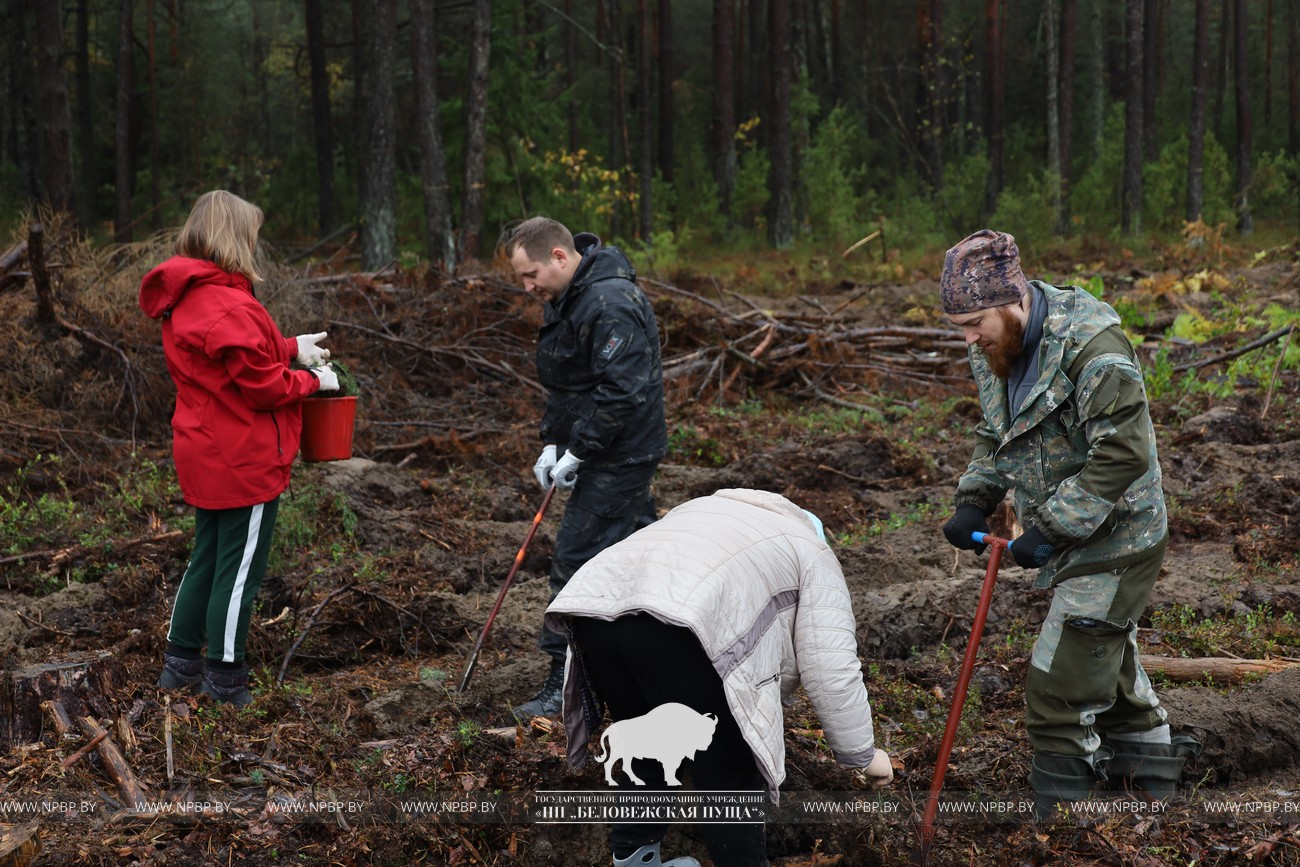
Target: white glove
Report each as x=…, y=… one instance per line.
x=329, y=380
x=565, y=473
x=879, y=771
x=545, y=466
x=309, y=354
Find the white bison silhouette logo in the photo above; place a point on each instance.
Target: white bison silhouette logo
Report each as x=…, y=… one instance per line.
x=670, y=734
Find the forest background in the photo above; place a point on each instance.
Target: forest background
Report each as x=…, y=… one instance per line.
x=426, y=126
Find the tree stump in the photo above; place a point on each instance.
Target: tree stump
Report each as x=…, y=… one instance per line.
x=76, y=682
x=19, y=844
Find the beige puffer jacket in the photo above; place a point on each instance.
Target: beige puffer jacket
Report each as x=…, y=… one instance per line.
x=746, y=572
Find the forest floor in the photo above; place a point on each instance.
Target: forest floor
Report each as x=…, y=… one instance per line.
x=387, y=564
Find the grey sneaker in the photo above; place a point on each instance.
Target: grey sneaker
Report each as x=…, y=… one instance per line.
x=229, y=687
x=648, y=856
x=180, y=673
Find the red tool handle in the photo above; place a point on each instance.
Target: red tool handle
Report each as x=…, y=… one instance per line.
x=501, y=597
x=926, y=831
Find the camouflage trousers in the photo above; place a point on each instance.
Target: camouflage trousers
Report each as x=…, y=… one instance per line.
x=606, y=506
x=1084, y=676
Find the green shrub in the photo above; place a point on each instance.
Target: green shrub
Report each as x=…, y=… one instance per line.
x=1274, y=185
x=749, y=199
x=833, y=207
x=1164, y=186
x=964, y=190
x=1026, y=212
x=1095, y=198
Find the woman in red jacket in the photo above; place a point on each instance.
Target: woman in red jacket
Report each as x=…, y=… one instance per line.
x=234, y=433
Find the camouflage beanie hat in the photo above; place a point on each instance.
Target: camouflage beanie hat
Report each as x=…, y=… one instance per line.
x=982, y=271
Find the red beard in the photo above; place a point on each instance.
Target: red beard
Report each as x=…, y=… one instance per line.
x=1003, y=355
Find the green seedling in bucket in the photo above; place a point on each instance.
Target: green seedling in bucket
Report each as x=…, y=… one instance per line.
x=347, y=382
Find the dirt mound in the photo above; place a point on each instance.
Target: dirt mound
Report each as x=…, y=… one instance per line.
x=1246, y=731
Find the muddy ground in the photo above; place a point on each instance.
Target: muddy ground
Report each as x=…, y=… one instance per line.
x=372, y=632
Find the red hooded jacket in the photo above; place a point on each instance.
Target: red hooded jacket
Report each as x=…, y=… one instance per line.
x=238, y=420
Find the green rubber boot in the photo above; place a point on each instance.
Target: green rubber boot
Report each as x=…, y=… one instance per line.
x=1057, y=778
x=1151, y=770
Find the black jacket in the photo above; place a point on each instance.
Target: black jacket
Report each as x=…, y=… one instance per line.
x=598, y=357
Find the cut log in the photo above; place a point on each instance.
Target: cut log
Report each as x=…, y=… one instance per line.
x=114, y=764
x=19, y=844
x=9, y=262
x=1222, y=668
x=59, y=717
x=73, y=682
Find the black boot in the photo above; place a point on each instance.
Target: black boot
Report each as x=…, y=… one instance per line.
x=180, y=672
x=1151, y=770
x=549, y=700
x=1057, y=778
x=228, y=687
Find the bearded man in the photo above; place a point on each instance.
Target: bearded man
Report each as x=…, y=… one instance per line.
x=1067, y=428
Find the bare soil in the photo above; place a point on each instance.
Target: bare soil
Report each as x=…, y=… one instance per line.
x=368, y=705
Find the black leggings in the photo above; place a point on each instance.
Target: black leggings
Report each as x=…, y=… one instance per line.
x=637, y=663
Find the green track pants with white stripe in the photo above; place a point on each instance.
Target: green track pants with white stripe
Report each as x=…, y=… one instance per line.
x=215, y=599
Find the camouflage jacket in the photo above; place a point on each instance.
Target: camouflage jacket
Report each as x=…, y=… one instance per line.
x=598, y=358
x=1081, y=453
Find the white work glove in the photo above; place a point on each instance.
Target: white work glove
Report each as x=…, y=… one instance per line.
x=879, y=771
x=565, y=473
x=309, y=354
x=545, y=466
x=329, y=380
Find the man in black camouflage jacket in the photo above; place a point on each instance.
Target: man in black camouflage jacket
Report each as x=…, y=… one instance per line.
x=603, y=431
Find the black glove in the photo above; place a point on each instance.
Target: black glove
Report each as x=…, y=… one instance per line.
x=1031, y=548
x=969, y=519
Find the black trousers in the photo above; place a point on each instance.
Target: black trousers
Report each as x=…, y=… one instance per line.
x=606, y=506
x=637, y=663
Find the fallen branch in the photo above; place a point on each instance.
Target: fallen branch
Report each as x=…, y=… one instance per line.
x=870, y=237
x=1277, y=368
x=89, y=336
x=167, y=736
x=468, y=357
x=311, y=618
x=321, y=243
x=1240, y=350
x=59, y=555
x=1222, y=668
x=90, y=745
x=115, y=764
x=39, y=625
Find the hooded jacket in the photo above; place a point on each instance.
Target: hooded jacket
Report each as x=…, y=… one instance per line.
x=237, y=422
x=745, y=571
x=1080, y=453
x=598, y=358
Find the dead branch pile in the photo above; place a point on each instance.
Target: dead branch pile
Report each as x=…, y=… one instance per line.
x=445, y=363
x=735, y=347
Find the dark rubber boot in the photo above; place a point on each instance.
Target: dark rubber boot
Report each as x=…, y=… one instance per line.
x=1151, y=770
x=1057, y=778
x=228, y=687
x=549, y=700
x=180, y=673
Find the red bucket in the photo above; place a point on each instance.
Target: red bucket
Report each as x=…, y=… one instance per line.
x=327, y=428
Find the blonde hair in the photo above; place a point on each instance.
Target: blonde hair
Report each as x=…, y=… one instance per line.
x=223, y=228
x=538, y=236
